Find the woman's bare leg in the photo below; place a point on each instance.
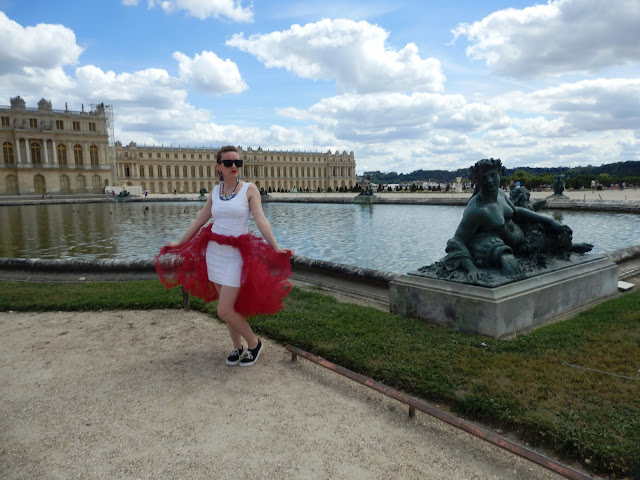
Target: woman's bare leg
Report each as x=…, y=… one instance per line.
x=236, y=323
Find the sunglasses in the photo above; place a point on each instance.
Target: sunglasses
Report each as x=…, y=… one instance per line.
x=228, y=163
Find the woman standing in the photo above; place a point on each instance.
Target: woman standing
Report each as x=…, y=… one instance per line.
x=247, y=275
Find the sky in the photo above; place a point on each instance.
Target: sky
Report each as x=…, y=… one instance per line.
x=404, y=84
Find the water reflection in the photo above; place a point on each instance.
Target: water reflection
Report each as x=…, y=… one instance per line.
x=394, y=238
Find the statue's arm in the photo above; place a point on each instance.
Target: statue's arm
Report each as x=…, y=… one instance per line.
x=524, y=215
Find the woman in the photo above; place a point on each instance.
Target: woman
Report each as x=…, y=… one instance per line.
x=246, y=275
x=493, y=231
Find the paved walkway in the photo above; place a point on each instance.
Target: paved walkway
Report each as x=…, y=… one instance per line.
x=146, y=394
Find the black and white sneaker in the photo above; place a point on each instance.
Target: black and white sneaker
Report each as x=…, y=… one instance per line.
x=251, y=356
x=235, y=356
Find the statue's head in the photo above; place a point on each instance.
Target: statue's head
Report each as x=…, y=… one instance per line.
x=483, y=166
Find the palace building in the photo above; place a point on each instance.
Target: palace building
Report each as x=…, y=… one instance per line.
x=62, y=152
x=188, y=170
x=55, y=151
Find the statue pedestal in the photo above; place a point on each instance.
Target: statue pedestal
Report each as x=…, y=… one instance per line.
x=508, y=309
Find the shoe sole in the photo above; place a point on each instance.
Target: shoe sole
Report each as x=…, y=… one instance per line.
x=231, y=364
x=247, y=364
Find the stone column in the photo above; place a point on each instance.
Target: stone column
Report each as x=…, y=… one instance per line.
x=28, y=151
x=54, y=152
x=44, y=149
x=18, y=159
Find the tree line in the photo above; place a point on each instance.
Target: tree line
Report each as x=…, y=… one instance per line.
x=531, y=177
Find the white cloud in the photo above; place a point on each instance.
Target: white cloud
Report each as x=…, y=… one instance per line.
x=208, y=73
x=352, y=53
x=44, y=47
x=202, y=9
x=380, y=117
x=585, y=106
x=560, y=37
x=129, y=3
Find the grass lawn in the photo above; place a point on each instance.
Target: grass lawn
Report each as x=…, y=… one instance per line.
x=573, y=387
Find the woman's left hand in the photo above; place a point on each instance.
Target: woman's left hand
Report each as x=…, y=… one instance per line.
x=285, y=251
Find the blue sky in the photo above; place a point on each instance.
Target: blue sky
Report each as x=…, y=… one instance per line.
x=403, y=84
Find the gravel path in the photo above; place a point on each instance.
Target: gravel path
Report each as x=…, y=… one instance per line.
x=146, y=394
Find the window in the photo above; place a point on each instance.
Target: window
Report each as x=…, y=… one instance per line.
x=199, y=156
x=184, y=171
x=76, y=126
x=33, y=122
x=62, y=154
x=36, y=153
x=77, y=154
x=7, y=150
x=166, y=155
x=92, y=126
x=142, y=173
x=192, y=156
x=168, y=170
x=5, y=121
x=193, y=172
x=184, y=156
x=177, y=171
x=93, y=155
x=59, y=124
x=149, y=154
x=159, y=171
x=151, y=171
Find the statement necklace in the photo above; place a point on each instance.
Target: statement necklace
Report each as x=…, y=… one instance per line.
x=230, y=195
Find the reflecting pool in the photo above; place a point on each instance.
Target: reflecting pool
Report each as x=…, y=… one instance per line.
x=395, y=238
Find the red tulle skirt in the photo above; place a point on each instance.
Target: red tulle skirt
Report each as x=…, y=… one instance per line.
x=264, y=277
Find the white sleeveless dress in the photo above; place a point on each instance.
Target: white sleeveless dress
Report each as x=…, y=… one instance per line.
x=231, y=218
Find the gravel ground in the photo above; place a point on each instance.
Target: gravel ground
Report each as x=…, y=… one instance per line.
x=146, y=394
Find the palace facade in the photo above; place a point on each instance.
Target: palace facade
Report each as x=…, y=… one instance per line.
x=54, y=151
x=62, y=152
x=188, y=170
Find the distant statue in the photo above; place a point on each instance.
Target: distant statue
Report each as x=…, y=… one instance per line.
x=558, y=184
x=495, y=235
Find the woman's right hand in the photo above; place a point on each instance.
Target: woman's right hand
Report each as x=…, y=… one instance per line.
x=171, y=244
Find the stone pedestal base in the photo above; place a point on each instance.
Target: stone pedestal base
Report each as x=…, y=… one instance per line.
x=508, y=309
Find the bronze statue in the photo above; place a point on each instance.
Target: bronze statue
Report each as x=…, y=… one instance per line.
x=496, y=234
x=558, y=185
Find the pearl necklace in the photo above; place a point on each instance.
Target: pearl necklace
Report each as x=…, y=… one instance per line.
x=230, y=195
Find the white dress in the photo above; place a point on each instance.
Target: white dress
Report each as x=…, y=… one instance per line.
x=231, y=218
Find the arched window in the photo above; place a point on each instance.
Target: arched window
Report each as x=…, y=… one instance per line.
x=65, y=184
x=81, y=184
x=39, y=185
x=93, y=155
x=142, y=170
x=7, y=150
x=77, y=155
x=12, y=184
x=177, y=172
x=168, y=170
x=150, y=171
x=62, y=154
x=36, y=153
x=209, y=172
x=184, y=171
x=159, y=170
x=96, y=184
x=201, y=172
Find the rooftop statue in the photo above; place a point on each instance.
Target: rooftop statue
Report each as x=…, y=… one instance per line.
x=499, y=240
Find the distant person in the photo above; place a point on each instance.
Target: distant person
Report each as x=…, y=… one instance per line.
x=174, y=191
x=146, y=192
x=224, y=261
